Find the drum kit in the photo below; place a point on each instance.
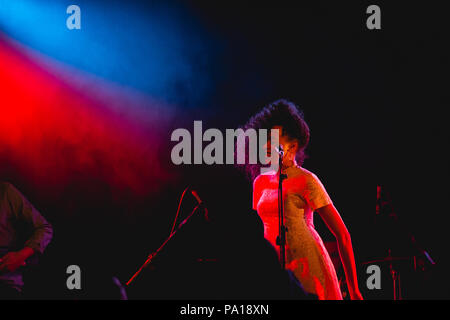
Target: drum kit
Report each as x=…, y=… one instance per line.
x=394, y=270
x=396, y=264
x=418, y=260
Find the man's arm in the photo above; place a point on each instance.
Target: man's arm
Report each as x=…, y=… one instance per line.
x=14, y=260
x=42, y=231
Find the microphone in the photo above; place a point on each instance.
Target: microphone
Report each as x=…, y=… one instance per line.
x=196, y=196
x=200, y=203
x=280, y=150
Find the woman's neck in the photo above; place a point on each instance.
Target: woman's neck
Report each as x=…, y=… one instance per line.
x=288, y=163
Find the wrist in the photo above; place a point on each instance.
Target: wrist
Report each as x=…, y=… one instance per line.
x=26, y=252
x=353, y=289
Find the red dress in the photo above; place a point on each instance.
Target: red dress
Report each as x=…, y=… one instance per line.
x=306, y=255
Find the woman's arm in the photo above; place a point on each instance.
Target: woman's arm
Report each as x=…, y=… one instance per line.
x=334, y=222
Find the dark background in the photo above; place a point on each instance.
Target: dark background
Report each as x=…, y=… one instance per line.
x=374, y=101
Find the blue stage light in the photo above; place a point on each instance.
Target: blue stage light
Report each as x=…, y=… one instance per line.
x=159, y=49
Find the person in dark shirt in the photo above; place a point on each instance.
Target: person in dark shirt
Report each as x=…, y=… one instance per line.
x=24, y=232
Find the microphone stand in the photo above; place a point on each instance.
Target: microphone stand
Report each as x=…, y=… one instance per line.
x=154, y=254
x=281, y=239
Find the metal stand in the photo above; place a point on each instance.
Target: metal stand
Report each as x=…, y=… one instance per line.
x=396, y=284
x=281, y=239
x=387, y=220
x=154, y=254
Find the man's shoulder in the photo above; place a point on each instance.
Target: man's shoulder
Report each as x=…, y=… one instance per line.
x=7, y=189
x=4, y=186
x=4, y=190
